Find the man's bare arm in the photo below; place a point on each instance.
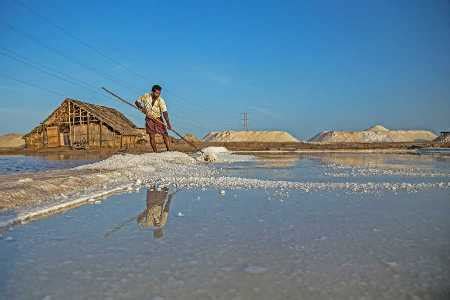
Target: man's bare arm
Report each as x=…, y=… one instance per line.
x=166, y=117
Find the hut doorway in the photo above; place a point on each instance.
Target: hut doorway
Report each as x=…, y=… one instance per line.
x=53, y=138
x=65, y=139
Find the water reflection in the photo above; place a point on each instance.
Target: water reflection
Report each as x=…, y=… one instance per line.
x=156, y=213
x=377, y=160
x=278, y=161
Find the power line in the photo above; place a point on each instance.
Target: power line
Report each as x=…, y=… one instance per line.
x=56, y=51
x=62, y=54
x=32, y=85
x=46, y=70
x=96, y=50
x=73, y=36
x=78, y=62
x=72, y=80
x=99, y=52
x=93, y=48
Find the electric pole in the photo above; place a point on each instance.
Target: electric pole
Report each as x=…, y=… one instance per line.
x=245, y=120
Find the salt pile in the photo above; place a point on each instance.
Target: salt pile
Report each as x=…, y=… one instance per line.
x=375, y=134
x=11, y=140
x=250, y=136
x=147, y=162
x=222, y=155
x=153, y=167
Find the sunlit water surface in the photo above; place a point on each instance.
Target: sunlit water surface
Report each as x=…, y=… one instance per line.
x=11, y=164
x=247, y=244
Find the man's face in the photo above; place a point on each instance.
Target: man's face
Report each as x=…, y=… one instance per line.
x=156, y=93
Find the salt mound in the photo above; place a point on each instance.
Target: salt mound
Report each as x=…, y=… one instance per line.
x=191, y=138
x=377, y=128
x=222, y=155
x=11, y=140
x=213, y=149
x=375, y=134
x=140, y=161
x=250, y=136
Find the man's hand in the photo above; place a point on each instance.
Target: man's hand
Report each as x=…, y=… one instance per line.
x=169, y=126
x=139, y=106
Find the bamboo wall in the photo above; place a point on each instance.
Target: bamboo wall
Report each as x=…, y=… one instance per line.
x=80, y=135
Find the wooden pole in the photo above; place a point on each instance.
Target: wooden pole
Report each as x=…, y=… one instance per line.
x=43, y=135
x=59, y=135
x=100, y=134
x=73, y=120
x=70, y=127
x=87, y=132
x=80, y=122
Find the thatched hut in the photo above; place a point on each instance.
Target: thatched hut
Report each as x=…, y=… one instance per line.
x=444, y=138
x=81, y=125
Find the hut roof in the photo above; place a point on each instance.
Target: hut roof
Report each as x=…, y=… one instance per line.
x=110, y=116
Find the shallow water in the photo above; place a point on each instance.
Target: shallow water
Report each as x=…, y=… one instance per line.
x=11, y=164
x=241, y=244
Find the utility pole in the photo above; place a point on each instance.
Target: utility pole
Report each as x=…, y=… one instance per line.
x=245, y=120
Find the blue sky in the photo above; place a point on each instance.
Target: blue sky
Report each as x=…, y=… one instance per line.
x=301, y=66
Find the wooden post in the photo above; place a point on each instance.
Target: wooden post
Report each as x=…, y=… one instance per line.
x=80, y=122
x=73, y=120
x=43, y=135
x=100, y=134
x=70, y=127
x=87, y=132
x=59, y=135
x=121, y=141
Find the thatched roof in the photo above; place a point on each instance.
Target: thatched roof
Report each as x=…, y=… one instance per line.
x=110, y=116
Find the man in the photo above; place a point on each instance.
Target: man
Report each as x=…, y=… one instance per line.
x=154, y=107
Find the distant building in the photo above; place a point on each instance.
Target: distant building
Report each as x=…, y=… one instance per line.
x=81, y=125
x=444, y=138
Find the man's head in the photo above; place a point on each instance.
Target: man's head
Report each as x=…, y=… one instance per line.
x=156, y=90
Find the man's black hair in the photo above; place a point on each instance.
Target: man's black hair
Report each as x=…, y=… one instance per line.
x=156, y=87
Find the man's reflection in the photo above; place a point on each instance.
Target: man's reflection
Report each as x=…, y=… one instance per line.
x=157, y=211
